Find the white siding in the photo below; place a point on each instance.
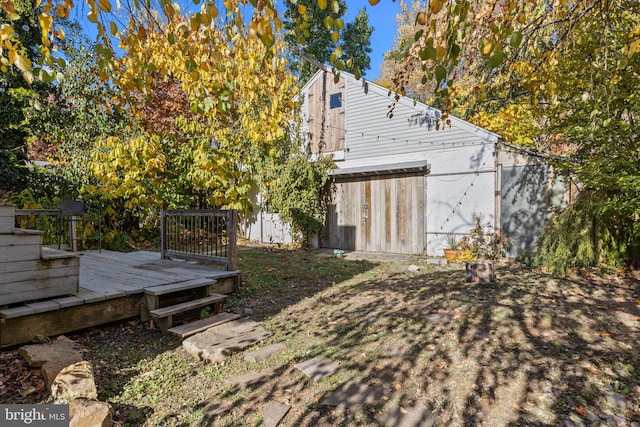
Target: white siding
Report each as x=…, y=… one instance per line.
x=370, y=133
x=453, y=202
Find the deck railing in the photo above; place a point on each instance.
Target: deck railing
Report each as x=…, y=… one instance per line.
x=205, y=235
x=50, y=221
x=63, y=228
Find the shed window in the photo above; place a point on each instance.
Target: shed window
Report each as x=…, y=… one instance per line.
x=335, y=100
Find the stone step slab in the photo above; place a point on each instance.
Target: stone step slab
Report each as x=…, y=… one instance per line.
x=273, y=413
x=354, y=395
x=245, y=380
x=409, y=416
x=264, y=353
x=217, y=343
x=318, y=368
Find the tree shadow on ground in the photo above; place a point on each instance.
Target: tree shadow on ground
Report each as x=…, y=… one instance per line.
x=530, y=349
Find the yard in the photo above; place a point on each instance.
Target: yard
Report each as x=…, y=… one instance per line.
x=531, y=349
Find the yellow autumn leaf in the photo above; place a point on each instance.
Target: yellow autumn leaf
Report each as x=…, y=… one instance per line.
x=46, y=22
x=6, y=31
x=8, y=7
x=374, y=2
x=23, y=63
x=302, y=9
x=13, y=56
x=62, y=11
x=421, y=18
x=27, y=76
x=487, y=47
x=436, y=5
x=104, y=5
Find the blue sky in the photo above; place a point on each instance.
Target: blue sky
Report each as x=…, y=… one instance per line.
x=383, y=18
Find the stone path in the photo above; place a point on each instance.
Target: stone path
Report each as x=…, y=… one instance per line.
x=417, y=415
x=318, y=368
x=217, y=343
x=354, y=395
x=273, y=413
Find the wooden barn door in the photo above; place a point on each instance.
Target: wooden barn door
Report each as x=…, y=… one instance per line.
x=378, y=214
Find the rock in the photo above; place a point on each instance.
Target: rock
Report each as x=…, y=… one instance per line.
x=90, y=413
x=480, y=272
x=619, y=420
x=37, y=355
x=248, y=311
x=40, y=339
x=615, y=400
x=52, y=368
x=264, y=353
x=74, y=382
x=414, y=268
x=215, y=344
x=273, y=413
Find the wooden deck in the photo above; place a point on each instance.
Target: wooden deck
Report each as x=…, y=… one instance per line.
x=112, y=285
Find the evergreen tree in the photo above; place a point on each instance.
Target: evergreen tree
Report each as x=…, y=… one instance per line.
x=307, y=29
x=311, y=36
x=356, y=43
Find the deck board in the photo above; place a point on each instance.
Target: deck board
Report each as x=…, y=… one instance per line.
x=111, y=285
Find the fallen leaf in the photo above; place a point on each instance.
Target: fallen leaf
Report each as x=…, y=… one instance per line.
x=26, y=392
x=603, y=334
x=580, y=410
x=398, y=386
x=594, y=369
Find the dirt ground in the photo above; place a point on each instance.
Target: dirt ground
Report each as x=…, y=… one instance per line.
x=529, y=349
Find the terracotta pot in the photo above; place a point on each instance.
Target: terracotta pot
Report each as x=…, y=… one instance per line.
x=451, y=254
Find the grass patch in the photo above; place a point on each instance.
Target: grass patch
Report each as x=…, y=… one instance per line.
x=529, y=349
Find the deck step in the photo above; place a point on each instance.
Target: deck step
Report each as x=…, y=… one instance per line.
x=189, y=305
x=179, y=286
x=188, y=329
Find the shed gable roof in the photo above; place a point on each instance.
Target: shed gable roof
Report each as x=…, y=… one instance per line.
x=456, y=122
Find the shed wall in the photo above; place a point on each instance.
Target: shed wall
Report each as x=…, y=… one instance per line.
x=371, y=133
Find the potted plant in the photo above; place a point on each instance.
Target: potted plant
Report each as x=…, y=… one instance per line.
x=481, y=244
x=452, y=251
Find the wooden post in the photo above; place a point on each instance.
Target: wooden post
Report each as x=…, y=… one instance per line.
x=163, y=233
x=232, y=238
x=73, y=230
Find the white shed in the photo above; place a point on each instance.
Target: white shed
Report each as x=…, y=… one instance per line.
x=402, y=185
